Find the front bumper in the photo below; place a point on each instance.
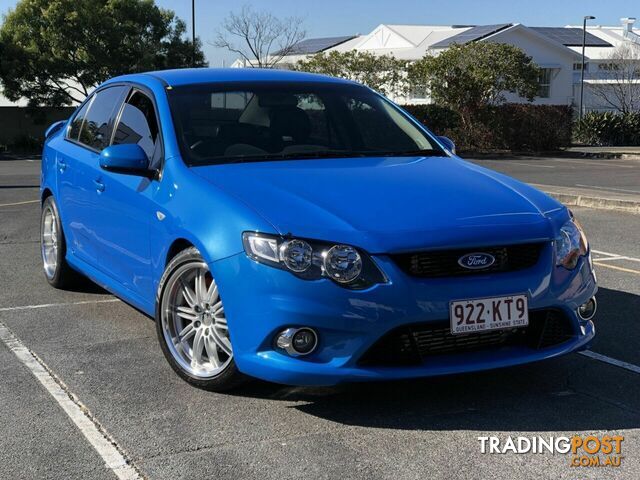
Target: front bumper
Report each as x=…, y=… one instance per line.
x=261, y=301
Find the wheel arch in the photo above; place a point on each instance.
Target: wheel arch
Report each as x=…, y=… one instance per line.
x=177, y=246
x=46, y=193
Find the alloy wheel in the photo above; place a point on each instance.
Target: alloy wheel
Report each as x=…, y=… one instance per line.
x=194, y=324
x=49, y=241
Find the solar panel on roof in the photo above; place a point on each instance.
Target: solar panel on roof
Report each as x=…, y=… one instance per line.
x=571, y=37
x=315, y=45
x=471, y=35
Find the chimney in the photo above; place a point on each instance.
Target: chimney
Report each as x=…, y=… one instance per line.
x=627, y=24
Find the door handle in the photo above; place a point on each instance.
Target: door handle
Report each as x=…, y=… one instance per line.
x=62, y=165
x=99, y=185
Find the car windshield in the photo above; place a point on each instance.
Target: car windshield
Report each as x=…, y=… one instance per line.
x=287, y=121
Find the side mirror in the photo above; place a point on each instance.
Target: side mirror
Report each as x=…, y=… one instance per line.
x=53, y=128
x=128, y=159
x=447, y=142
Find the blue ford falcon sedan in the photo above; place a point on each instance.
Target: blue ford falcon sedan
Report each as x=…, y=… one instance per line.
x=304, y=230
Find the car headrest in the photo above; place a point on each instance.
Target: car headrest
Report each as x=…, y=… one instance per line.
x=290, y=124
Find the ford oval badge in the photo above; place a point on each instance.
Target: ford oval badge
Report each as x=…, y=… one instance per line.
x=476, y=261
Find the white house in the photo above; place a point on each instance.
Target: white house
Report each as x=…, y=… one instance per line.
x=557, y=50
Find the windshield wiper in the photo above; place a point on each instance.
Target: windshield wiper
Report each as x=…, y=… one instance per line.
x=292, y=156
x=407, y=153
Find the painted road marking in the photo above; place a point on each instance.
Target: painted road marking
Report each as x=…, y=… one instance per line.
x=586, y=162
x=533, y=165
x=614, y=267
x=18, y=203
x=48, y=305
x=611, y=361
x=93, y=431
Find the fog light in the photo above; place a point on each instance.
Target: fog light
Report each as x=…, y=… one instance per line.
x=587, y=310
x=297, y=341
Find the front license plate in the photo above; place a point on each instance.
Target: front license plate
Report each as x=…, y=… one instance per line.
x=493, y=313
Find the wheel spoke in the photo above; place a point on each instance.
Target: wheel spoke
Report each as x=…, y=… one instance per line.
x=186, y=313
x=217, y=309
x=186, y=333
x=212, y=351
x=198, y=347
x=221, y=323
x=222, y=342
x=212, y=293
x=188, y=294
x=201, y=287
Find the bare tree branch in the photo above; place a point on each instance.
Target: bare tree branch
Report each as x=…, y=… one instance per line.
x=617, y=83
x=253, y=35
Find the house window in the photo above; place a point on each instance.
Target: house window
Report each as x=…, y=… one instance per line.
x=544, y=83
x=419, y=92
x=578, y=66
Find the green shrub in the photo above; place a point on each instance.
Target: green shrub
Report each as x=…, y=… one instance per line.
x=514, y=126
x=609, y=128
x=436, y=118
x=26, y=144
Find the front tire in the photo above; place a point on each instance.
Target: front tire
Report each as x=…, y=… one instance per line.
x=192, y=327
x=53, y=247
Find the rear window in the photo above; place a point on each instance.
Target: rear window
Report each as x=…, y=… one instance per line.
x=97, y=123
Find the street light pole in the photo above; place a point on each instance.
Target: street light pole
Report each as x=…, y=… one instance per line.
x=584, y=41
x=193, y=33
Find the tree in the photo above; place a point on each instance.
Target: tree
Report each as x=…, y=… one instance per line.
x=260, y=38
x=383, y=73
x=467, y=78
x=617, y=84
x=56, y=51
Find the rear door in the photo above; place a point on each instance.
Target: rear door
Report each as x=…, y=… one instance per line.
x=78, y=162
x=127, y=205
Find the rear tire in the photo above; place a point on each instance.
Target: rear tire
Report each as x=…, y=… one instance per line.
x=192, y=326
x=53, y=247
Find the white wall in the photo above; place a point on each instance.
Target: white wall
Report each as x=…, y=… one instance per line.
x=544, y=55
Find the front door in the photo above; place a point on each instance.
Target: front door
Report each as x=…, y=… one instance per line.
x=127, y=204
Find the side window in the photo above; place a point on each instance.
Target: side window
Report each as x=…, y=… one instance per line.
x=138, y=124
x=96, y=129
x=76, y=125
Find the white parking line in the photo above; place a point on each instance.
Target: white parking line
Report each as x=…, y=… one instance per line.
x=615, y=256
x=587, y=162
x=533, y=165
x=611, y=361
x=18, y=203
x=47, y=305
x=95, y=433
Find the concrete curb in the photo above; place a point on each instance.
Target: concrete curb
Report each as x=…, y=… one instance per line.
x=591, y=201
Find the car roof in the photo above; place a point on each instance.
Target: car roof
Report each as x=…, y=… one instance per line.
x=192, y=76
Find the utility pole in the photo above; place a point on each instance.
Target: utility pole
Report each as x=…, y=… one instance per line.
x=584, y=41
x=193, y=33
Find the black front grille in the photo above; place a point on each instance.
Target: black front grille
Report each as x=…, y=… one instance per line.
x=444, y=263
x=414, y=344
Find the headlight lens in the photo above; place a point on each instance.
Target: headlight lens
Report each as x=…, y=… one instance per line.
x=312, y=260
x=296, y=255
x=343, y=263
x=570, y=244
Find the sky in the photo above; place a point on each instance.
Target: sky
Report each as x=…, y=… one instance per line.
x=347, y=17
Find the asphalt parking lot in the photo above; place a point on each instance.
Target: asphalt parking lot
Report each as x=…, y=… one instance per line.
x=617, y=176
x=105, y=355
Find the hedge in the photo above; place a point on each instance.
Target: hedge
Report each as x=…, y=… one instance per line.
x=513, y=126
x=609, y=128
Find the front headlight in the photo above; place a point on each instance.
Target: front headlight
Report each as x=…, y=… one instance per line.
x=570, y=244
x=312, y=259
